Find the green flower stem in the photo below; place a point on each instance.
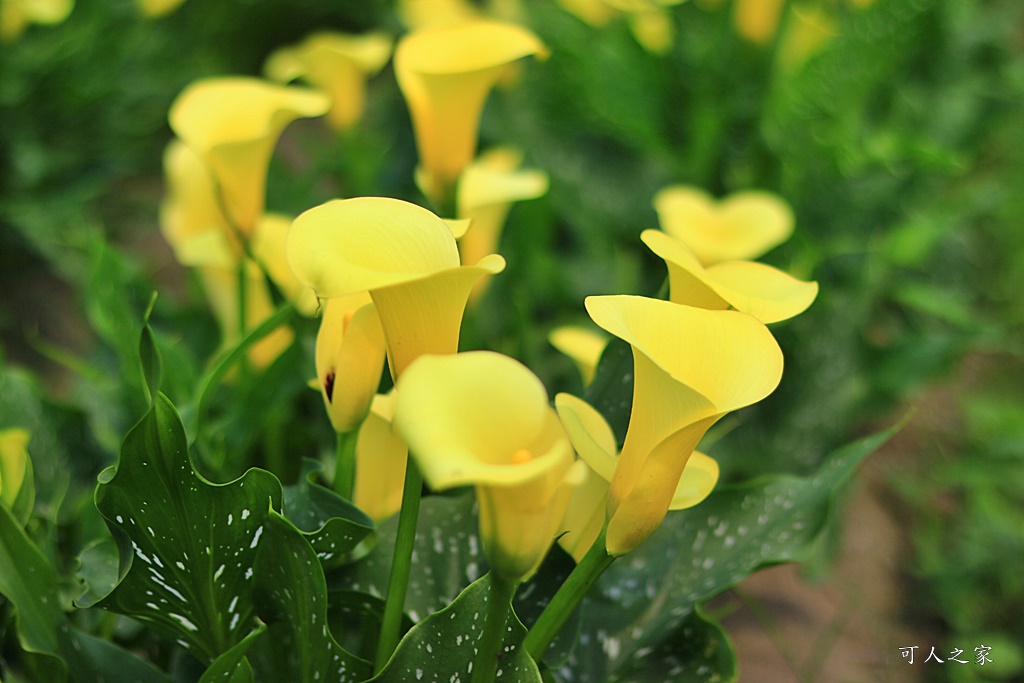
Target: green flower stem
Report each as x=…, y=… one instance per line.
x=243, y=293
x=345, y=463
x=401, y=564
x=499, y=604
x=568, y=597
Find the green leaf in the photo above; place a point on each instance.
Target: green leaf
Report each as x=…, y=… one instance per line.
x=29, y=582
x=98, y=570
x=447, y=556
x=698, y=553
x=697, y=651
x=152, y=371
x=231, y=357
x=291, y=596
x=611, y=391
x=92, y=659
x=232, y=666
x=187, y=546
x=442, y=646
x=332, y=525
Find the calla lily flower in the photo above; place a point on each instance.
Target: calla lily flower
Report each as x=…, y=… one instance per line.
x=15, y=15
x=766, y=293
x=648, y=19
x=808, y=30
x=194, y=225
x=691, y=366
x=337, y=64
x=349, y=358
x=158, y=8
x=381, y=456
x=487, y=189
x=757, y=20
x=482, y=418
x=593, y=439
x=421, y=14
x=403, y=255
x=741, y=227
x=15, y=465
x=445, y=74
x=191, y=213
x=583, y=345
x=233, y=125
x=221, y=287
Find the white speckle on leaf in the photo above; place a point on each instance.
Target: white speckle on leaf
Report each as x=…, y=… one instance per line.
x=183, y=621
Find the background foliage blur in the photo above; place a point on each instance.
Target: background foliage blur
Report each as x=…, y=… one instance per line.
x=894, y=128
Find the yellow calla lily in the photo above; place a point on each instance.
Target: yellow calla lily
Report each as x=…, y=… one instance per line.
x=221, y=287
x=404, y=255
x=482, y=418
x=741, y=227
x=808, y=30
x=194, y=225
x=583, y=345
x=191, y=219
x=594, y=441
x=766, y=293
x=14, y=464
x=337, y=64
x=422, y=14
x=691, y=366
x=381, y=456
x=594, y=12
x=15, y=15
x=757, y=20
x=349, y=358
x=158, y=8
x=445, y=74
x=487, y=189
x=233, y=125
x=269, y=247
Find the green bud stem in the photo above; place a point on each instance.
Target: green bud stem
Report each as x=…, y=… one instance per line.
x=345, y=463
x=401, y=565
x=489, y=647
x=568, y=597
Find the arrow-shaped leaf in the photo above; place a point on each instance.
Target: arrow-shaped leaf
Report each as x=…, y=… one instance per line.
x=187, y=546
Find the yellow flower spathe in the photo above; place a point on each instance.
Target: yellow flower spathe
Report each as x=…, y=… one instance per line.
x=194, y=225
x=349, y=358
x=338, y=64
x=487, y=189
x=445, y=74
x=593, y=439
x=422, y=14
x=15, y=15
x=766, y=293
x=757, y=20
x=14, y=464
x=482, y=418
x=381, y=456
x=233, y=125
x=691, y=366
x=741, y=227
x=583, y=345
x=158, y=8
x=403, y=255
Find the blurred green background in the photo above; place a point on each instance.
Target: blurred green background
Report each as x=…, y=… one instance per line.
x=899, y=142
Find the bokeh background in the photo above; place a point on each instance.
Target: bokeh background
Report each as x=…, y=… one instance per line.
x=895, y=129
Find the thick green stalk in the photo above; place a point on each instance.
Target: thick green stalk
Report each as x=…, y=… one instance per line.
x=499, y=604
x=568, y=597
x=345, y=463
x=401, y=565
